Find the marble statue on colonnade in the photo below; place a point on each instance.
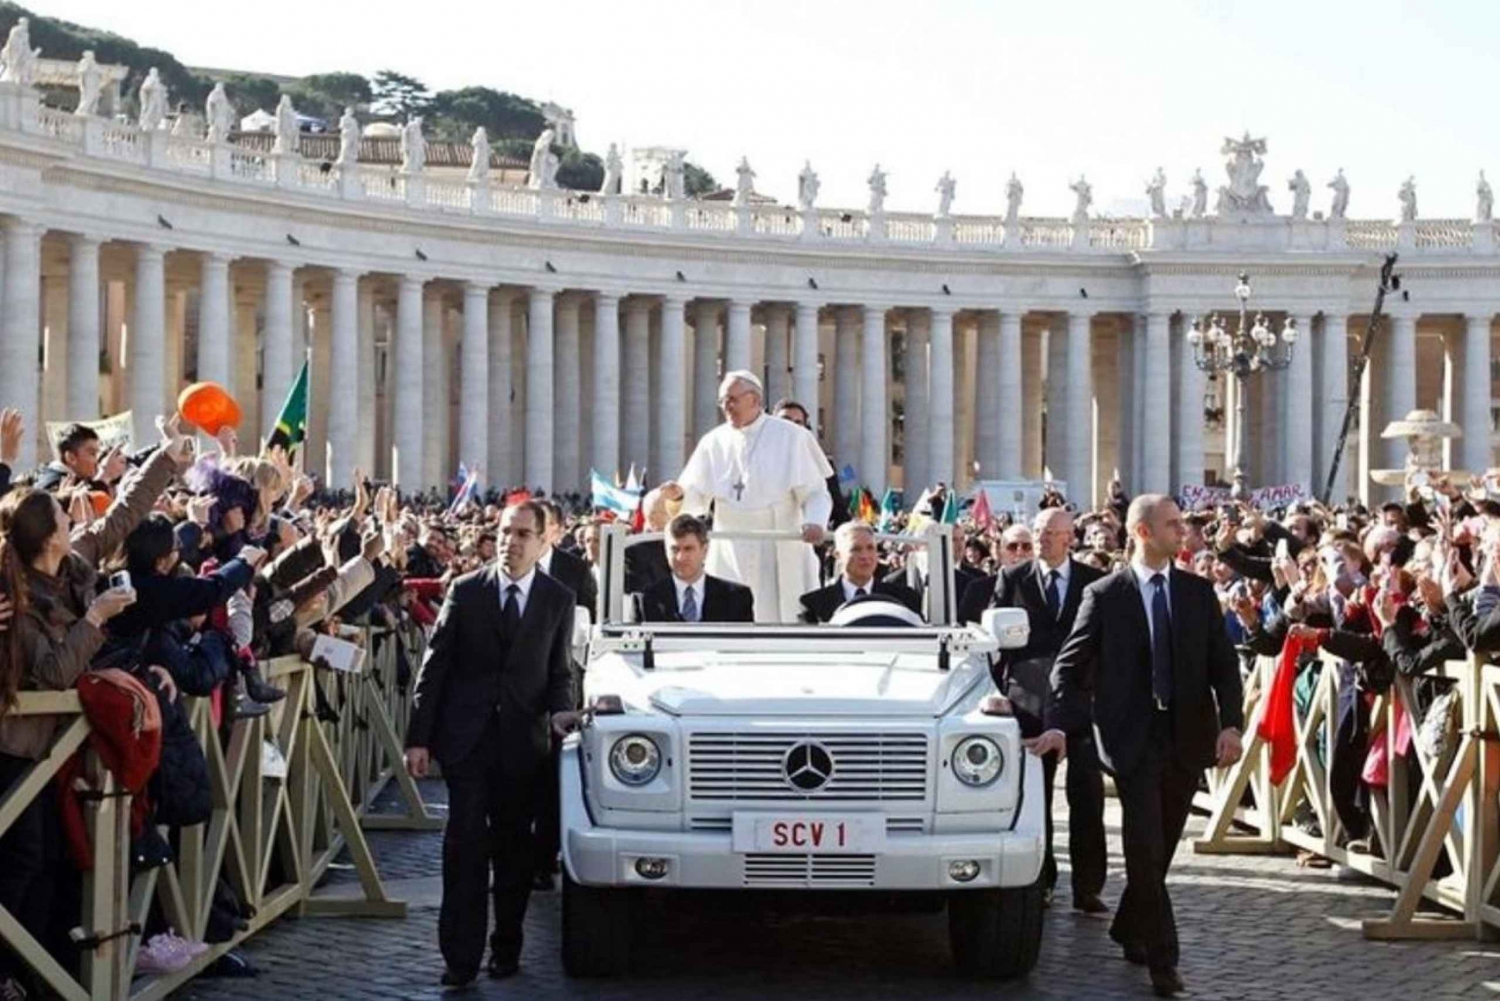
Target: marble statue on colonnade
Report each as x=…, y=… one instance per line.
x=287, y=131
x=413, y=146
x=614, y=170
x=1340, y=186
x=479, y=159
x=1301, y=191
x=1200, y=195
x=220, y=114
x=1085, y=198
x=876, y=181
x=18, y=58
x=543, y=168
x=1014, y=192
x=1485, y=207
x=1408, y=197
x=89, y=79
x=348, y=139
x=674, y=177
x=1157, y=192
x=744, y=182
x=807, y=187
x=945, y=188
x=153, y=101
x=1244, y=194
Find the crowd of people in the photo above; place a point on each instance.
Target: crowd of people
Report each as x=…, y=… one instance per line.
x=185, y=568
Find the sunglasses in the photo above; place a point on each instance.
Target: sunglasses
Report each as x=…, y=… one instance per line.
x=1012, y=547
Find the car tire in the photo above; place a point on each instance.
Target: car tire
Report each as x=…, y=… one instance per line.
x=595, y=929
x=996, y=934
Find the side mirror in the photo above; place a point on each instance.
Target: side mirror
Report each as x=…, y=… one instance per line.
x=1010, y=627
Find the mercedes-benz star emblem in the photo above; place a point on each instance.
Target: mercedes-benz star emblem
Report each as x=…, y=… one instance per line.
x=808, y=766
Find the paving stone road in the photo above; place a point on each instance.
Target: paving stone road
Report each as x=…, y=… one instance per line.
x=1252, y=929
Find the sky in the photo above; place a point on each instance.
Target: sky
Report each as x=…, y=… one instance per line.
x=1049, y=89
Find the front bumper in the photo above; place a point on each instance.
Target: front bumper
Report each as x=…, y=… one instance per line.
x=599, y=856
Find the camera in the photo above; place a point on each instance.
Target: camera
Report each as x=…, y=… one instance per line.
x=120, y=580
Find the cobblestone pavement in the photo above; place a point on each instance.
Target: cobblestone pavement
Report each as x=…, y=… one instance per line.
x=1252, y=928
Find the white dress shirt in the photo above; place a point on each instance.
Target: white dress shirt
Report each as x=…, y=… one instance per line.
x=683, y=585
x=1064, y=571
x=1143, y=575
x=850, y=587
x=525, y=589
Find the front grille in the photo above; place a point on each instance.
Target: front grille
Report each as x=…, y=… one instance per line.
x=881, y=767
x=810, y=870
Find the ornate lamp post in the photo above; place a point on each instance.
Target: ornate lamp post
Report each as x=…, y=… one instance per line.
x=1253, y=347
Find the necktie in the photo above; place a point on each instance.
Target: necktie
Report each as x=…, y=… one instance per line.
x=1054, y=600
x=1161, y=642
x=689, y=605
x=859, y=592
x=510, y=615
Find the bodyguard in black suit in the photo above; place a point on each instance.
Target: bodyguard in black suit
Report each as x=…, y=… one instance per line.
x=857, y=555
x=688, y=594
x=1150, y=669
x=570, y=570
x=495, y=675
x=1050, y=589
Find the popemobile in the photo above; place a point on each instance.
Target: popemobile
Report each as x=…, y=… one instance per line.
x=872, y=755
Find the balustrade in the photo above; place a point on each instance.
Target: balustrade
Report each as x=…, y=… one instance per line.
x=1369, y=234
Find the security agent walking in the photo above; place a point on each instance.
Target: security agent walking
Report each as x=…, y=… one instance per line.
x=1050, y=590
x=1150, y=668
x=495, y=676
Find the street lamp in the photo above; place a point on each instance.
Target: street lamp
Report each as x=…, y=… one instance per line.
x=1253, y=347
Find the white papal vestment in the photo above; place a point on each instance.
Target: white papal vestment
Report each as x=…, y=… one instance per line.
x=769, y=475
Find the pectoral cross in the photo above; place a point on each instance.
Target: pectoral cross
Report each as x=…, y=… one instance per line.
x=739, y=489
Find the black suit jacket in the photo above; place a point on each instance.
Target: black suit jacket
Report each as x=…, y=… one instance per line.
x=574, y=573
x=473, y=671
x=819, y=606
x=1021, y=586
x=645, y=564
x=723, y=601
x=1102, y=675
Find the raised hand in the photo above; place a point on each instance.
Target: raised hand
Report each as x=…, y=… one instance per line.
x=12, y=430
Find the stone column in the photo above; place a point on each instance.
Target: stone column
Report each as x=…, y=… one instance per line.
x=671, y=414
x=605, y=405
x=53, y=403
x=213, y=319
x=940, y=399
x=539, y=395
x=147, y=342
x=172, y=355
x=434, y=399
x=567, y=428
x=365, y=421
x=988, y=396
x=1188, y=432
x=778, y=368
x=343, y=380
x=1032, y=402
x=1399, y=380
x=636, y=419
x=736, y=338
x=503, y=468
x=1055, y=444
x=846, y=426
x=1004, y=382
x=1475, y=418
x=1124, y=409
x=805, y=362
x=247, y=367
x=1297, y=421
x=1078, y=397
x=1155, y=390
x=874, y=453
x=916, y=474
x=406, y=367
x=1333, y=392
x=474, y=382
x=20, y=333
x=277, y=362
x=705, y=366
x=83, y=327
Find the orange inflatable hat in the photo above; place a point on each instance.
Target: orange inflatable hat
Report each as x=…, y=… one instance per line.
x=209, y=407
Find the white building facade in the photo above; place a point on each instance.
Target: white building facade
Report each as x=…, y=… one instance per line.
x=535, y=334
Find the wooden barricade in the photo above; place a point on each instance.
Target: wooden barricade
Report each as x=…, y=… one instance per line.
x=1432, y=808
x=270, y=838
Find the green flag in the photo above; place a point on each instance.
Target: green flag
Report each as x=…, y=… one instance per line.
x=291, y=426
x=950, y=508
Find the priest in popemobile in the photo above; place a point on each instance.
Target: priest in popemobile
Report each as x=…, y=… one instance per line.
x=759, y=473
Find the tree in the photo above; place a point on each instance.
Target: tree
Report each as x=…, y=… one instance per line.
x=697, y=181
x=398, y=96
x=580, y=171
x=504, y=116
x=248, y=93
x=341, y=89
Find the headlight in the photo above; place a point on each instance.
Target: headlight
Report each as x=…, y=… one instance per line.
x=977, y=761
x=635, y=759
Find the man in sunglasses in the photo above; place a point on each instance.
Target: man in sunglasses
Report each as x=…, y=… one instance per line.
x=1015, y=547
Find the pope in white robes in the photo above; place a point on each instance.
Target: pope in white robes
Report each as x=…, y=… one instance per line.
x=760, y=473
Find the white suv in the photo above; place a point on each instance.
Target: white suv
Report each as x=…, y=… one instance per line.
x=804, y=759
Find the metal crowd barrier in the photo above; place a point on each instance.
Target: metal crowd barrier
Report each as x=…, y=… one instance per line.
x=271, y=839
x=1453, y=812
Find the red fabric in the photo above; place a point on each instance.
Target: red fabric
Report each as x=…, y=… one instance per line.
x=426, y=588
x=126, y=725
x=1377, y=769
x=423, y=615
x=1278, y=725
x=981, y=511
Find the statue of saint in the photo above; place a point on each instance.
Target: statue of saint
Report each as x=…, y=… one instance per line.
x=1340, y=188
x=1485, y=206
x=543, y=167
x=807, y=187
x=1200, y=195
x=153, y=101
x=744, y=182
x=675, y=177
x=88, y=85
x=479, y=159
x=614, y=168
x=1013, y=194
x=18, y=58
x=288, y=134
x=220, y=114
x=876, y=181
x=413, y=146
x=1244, y=194
x=1301, y=191
x=348, y=139
x=1408, y=197
x=1085, y=198
x=945, y=188
x=1157, y=192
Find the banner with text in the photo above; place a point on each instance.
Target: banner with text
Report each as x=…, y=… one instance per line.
x=1195, y=497
x=112, y=431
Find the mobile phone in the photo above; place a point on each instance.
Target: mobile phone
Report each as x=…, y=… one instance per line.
x=1282, y=550
x=119, y=580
